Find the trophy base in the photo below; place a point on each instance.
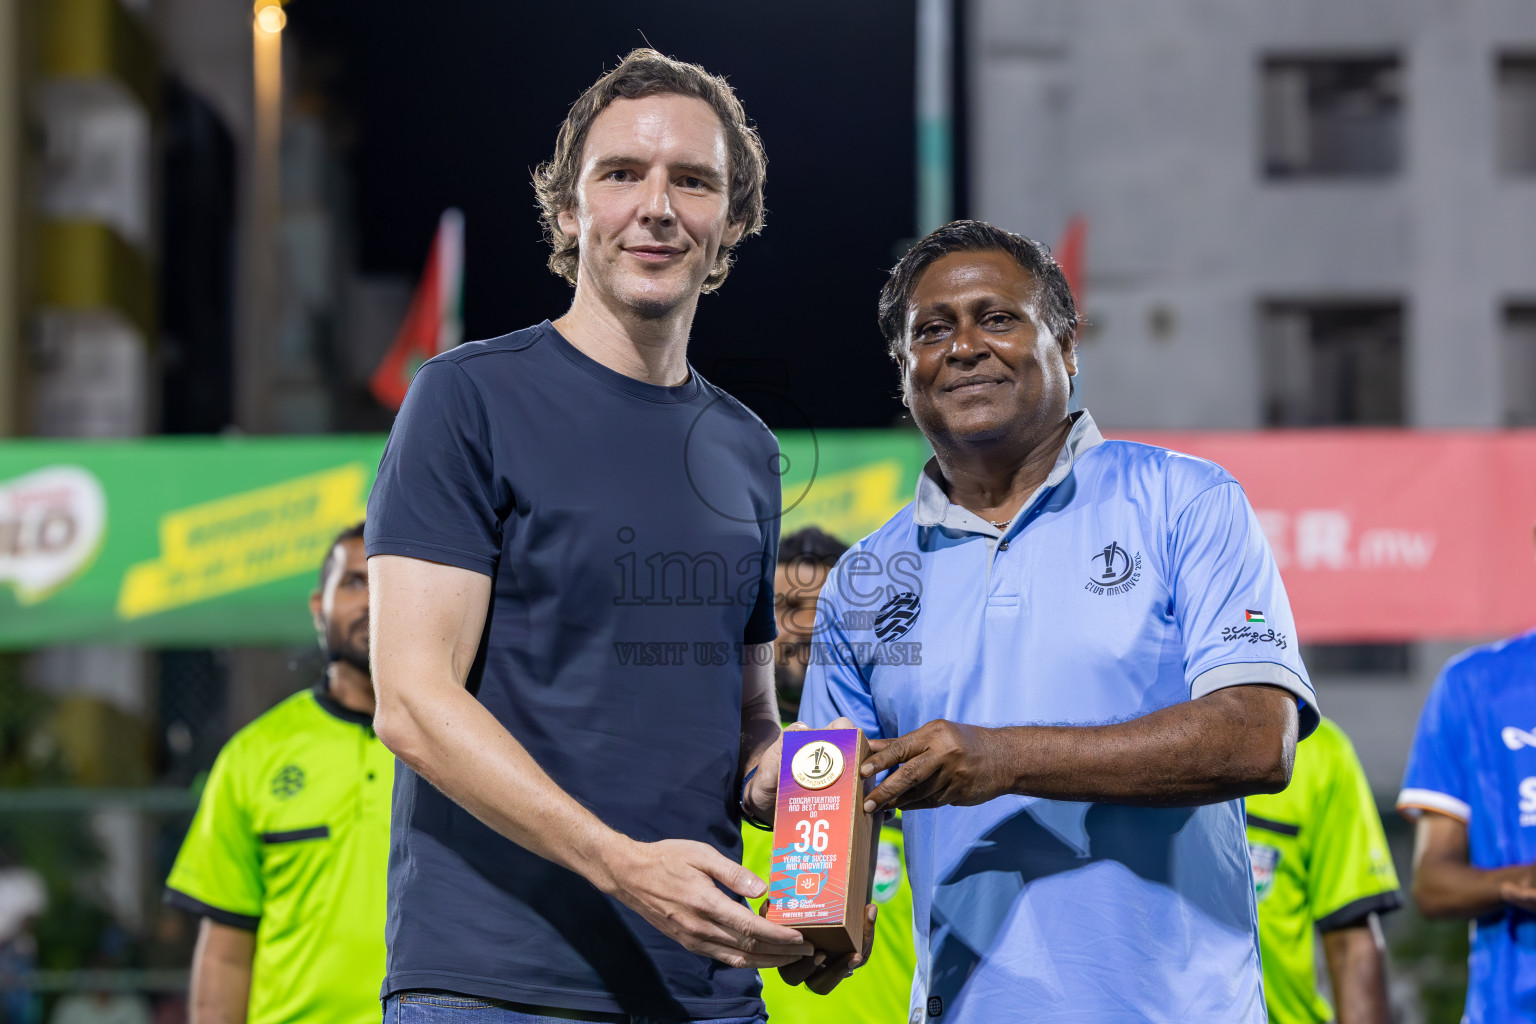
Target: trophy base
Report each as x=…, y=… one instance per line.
x=825, y=844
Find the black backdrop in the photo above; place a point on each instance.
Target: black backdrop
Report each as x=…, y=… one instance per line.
x=453, y=103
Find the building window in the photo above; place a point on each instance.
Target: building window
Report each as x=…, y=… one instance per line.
x=1517, y=114
x=1328, y=364
x=1357, y=659
x=1518, y=372
x=1332, y=117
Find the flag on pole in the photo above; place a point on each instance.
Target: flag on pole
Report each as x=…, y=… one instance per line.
x=434, y=323
x=1070, y=253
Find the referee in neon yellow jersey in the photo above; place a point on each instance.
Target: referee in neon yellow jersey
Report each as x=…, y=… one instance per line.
x=287, y=856
x=1320, y=861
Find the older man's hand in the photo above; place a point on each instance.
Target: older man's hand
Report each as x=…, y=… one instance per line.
x=941, y=763
x=819, y=974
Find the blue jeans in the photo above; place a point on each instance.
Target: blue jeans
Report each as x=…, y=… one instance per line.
x=446, y=1008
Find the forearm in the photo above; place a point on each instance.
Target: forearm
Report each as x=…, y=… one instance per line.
x=1224, y=745
x=426, y=627
x=1357, y=967
x=449, y=738
x=220, y=995
x=758, y=731
x=760, y=726
x=1446, y=889
x=221, y=975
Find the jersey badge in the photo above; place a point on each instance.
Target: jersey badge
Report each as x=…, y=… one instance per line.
x=898, y=615
x=1265, y=860
x=287, y=782
x=1113, y=570
x=887, y=872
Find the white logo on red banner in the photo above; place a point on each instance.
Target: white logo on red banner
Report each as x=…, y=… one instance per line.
x=1324, y=538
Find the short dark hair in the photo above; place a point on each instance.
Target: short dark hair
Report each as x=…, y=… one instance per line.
x=355, y=530
x=811, y=544
x=645, y=72
x=1057, y=309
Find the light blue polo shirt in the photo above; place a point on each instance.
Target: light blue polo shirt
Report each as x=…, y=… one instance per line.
x=1135, y=578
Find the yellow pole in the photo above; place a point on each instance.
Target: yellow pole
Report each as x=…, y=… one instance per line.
x=11, y=157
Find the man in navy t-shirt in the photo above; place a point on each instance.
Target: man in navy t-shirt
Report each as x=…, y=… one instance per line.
x=572, y=542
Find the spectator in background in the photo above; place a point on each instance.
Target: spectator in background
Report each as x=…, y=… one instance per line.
x=286, y=857
x=101, y=1007
x=1320, y=861
x=171, y=943
x=877, y=992
x=1470, y=786
x=805, y=558
x=23, y=898
x=104, y=1006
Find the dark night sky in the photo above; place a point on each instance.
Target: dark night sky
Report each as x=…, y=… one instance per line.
x=454, y=103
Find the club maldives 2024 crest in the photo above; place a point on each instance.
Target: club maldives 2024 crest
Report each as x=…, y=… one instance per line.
x=1113, y=570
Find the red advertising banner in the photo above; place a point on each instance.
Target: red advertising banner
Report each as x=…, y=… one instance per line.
x=1390, y=535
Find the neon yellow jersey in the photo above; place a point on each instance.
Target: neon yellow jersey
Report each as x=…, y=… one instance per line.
x=878, y=993
x=291, y=840
x=1319, y=860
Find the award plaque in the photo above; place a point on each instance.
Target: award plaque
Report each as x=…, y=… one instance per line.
x=823, y=842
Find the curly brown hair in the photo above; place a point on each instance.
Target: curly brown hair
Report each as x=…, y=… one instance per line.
x=645, y=72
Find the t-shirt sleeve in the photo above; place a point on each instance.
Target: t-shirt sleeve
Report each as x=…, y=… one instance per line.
x=762, y=625
x=836, y=685
x=436, y=496
x=1350, y=873
x=1230, y=603
x=217, y=873
x=1436, y=777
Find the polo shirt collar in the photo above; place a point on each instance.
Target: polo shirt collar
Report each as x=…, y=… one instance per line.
x=334, y=707
x=932, y=506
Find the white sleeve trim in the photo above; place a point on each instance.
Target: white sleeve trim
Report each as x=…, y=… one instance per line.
x=1412, y=802
x=1265, y=673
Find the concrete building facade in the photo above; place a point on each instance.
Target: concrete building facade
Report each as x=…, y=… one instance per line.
x=1299, y=212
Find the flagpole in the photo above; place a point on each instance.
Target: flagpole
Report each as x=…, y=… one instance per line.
x=433, y=324
x=450, y=236
x=935, y=102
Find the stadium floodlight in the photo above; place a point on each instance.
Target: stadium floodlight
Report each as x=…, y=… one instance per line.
x=270, y=17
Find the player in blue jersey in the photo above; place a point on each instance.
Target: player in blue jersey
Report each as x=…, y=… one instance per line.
x=1078, y=655
x=1471, y=787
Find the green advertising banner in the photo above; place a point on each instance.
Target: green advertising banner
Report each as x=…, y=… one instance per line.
x=216, y=542
x=848, y=482
x=171, y=541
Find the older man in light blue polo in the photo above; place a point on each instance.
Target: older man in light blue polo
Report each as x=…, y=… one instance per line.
x=1098, y=662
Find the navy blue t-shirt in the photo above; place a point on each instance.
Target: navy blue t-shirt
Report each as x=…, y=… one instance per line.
x=630, y=533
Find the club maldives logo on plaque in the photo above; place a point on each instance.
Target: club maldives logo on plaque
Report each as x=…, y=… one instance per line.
x=817, y=765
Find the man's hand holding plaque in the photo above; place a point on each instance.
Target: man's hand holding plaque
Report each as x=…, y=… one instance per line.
x=824, y=845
